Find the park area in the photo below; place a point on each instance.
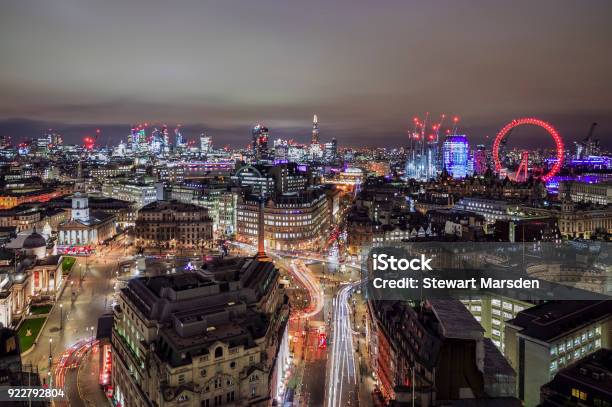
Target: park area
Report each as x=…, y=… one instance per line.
x=28, y=331
x=40, y=309
x=67, y=264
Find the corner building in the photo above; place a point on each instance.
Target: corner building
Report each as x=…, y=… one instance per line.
x=210, y=338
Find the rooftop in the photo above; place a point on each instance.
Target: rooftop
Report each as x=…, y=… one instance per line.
x=553, y=319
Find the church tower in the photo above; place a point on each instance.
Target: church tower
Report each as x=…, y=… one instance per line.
x=80, y=207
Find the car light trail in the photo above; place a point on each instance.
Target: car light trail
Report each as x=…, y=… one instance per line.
x=343, y=370
x=311, y=283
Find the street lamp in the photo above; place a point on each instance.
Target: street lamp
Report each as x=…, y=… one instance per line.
x=61, y=316
x=50, y=354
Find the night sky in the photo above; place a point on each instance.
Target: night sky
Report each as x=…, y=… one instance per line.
x=365, y=67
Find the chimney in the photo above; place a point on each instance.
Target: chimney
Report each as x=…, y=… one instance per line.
x=261, y=250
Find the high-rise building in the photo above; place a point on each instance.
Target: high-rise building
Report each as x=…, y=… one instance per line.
x=480, y=160
x=331, y=150
x=281, y=150
x=259, y=142
x=179, y=141
x=205, y=143
x=157, y=141
x=165, y=145
x=137, y=140
x=423, y=162
x=455, y=153
x=315, y=130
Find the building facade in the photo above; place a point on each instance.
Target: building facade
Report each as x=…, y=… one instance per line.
x=545, y=338
x=172, y=224
x=85, y=228
x=210, y=338
x=292, y=221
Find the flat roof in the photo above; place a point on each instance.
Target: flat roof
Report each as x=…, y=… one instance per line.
x=552, y=319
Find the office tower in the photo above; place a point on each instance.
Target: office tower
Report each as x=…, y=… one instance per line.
x=423, y=161
x=157, y=141
x=259, y=142
x=165, y=139
x=179, y=141
x=480, y=160
x=455, y=153
x=331, y=150
x=205, y=143
x=137, y=140
x=281, y=150
x=315, y=130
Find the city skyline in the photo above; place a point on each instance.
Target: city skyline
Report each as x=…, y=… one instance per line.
x=279, y=65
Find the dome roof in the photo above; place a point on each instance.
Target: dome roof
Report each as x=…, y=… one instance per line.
x=34, y=241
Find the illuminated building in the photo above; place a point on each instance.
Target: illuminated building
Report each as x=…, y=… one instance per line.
x=169, y=173
x=205, y=143
x=281, y=150
x=46, y=276
x=351, y=176
x=331, y=150
x=491, y=209
x=377, y=168
x=137, y=140
x=547, y=337
x=11, y=198
x=85, y=229
x=297, y=153
x=597, y=193
x=132, y=191
x=110, y=171
x=577, y=220
x=216, y=336
x=492, y=312
x=315, y=130
x=587, y=382
x=414, y=350
x=315, y=151
x=218, y=199
x=259, y=142
x=455, y=153
x=156, y=141
x=29, y=216
x=292, y=221
x=480, y=160
x=269, y=179
x=171, y=224
x=527, y=230
x=582, y=220
x=179, y=141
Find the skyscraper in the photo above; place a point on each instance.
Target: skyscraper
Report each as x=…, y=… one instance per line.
x=205, y=143
x=455, y=152
x=260, y=142
x=179, y=141
x=315, y=130
x=331, y=150
x=480, y=159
